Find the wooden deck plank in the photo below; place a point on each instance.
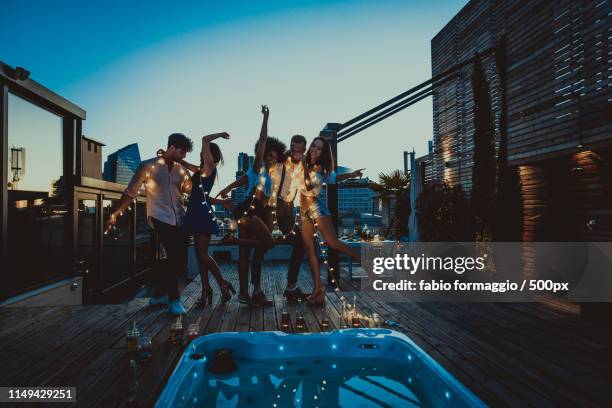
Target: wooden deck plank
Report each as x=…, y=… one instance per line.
x=111, y=387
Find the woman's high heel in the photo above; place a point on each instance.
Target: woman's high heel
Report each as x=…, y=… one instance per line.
x=227, y=290
x=206, y=297
x=317, y=297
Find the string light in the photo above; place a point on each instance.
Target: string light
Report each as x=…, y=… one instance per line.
x=205, y=202
x=324, y=252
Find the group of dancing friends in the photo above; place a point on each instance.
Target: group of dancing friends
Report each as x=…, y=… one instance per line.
x=273, y=183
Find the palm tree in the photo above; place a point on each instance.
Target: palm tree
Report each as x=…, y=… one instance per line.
x=394, y=188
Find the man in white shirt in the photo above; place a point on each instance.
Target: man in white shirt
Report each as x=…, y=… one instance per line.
x=165, y=180
x=289, y=179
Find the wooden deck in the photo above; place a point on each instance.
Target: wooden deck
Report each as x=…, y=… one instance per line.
x=507, y=354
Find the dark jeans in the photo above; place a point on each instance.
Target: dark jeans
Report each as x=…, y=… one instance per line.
x=285, y=218
x=174, y=241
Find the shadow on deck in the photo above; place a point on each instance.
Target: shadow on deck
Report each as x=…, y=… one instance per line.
x=508, y=354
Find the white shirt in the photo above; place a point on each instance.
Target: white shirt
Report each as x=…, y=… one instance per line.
x=164, y=189
x=292, y=183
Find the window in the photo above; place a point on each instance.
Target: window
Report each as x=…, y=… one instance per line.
x=37, y=210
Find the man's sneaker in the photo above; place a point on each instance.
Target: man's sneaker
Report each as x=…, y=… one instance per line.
x=162, y=300
x=176, y=308
x=259, y=298
x=295, y=294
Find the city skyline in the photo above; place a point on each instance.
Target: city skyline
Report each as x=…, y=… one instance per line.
x=209, y=67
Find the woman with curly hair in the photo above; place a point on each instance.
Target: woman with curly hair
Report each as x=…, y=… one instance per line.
x=254, y=220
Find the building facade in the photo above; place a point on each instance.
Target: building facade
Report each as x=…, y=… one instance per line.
x=92, y=157
x=53, y=212
x=354, y=197
x=121, y=165
x=559, y=106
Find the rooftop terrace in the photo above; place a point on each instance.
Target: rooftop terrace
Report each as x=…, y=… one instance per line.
x=507, y=354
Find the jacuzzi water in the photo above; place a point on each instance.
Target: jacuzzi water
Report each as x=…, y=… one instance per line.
x=343, y=368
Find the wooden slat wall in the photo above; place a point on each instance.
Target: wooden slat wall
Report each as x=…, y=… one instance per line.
x=559, y=109
x=470, y=31
x=590, y=187
x=558, y=77
x=427, y=163
x=567, y=199
x=559, y=90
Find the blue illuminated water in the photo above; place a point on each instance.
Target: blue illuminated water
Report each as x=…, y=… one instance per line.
x=346, y=368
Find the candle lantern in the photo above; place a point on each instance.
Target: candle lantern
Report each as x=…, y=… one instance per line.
x=131, y=338
x=176, y=332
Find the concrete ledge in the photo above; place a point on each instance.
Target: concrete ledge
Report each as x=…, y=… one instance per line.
x=67, y=292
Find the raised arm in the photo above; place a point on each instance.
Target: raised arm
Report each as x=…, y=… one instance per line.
x=263, y=136
x=242, y=181
x=346, y=176
x=208, y=163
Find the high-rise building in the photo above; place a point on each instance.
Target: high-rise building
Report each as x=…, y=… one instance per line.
x=244, y=162
x=121, y=165
x=239, y=193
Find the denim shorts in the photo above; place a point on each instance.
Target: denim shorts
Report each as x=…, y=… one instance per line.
x=316, y=209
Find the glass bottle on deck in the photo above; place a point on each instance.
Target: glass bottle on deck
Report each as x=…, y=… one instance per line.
x=355, y=321
x=300, y=323
x=285, y=317
x=325, y=323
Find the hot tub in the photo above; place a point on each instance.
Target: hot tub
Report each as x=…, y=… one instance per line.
x=343, y=368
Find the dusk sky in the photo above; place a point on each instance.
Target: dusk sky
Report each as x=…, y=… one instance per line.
x=143, y=70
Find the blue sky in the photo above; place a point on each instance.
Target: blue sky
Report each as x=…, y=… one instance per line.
x=142, y=70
